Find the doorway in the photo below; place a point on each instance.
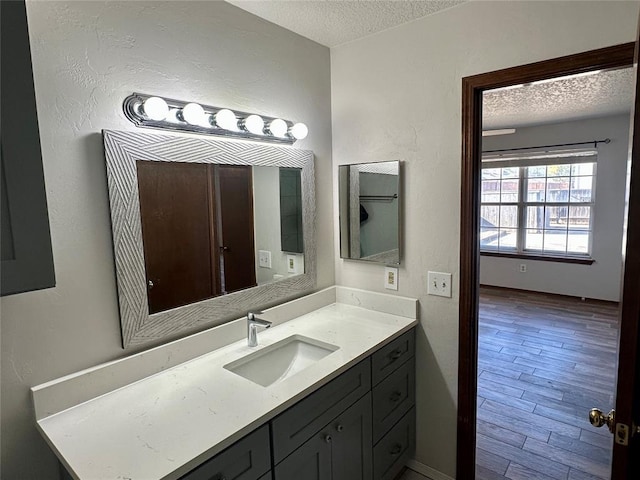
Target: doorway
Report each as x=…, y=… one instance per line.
x=550, y=272
x=473, y=87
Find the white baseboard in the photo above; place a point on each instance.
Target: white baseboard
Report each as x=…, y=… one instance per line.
x=423, y=469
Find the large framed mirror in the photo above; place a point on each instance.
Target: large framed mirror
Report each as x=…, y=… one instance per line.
x=205, y=230
x=369, y=197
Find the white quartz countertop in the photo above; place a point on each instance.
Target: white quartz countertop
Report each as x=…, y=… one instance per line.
x=164, y=425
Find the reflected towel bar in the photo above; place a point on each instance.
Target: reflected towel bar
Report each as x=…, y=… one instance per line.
x=379, y=197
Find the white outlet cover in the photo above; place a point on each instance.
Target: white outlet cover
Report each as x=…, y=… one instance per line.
x=391, y=278
x=439, y=283
x=264, y=258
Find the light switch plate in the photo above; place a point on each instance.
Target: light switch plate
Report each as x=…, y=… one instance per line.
x=391, y=278
x=439, y=283
x=264, y=258
x=292, y=264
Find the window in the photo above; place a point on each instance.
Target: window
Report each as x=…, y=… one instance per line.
x=540, y=207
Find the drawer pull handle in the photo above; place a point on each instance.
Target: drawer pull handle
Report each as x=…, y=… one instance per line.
x=340, y=427
x=396, y=354
x=327, y=438
x=396, y=450
x=395, y=397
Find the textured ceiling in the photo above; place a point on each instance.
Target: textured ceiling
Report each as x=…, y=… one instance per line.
x=333, y=22
x=571, y=98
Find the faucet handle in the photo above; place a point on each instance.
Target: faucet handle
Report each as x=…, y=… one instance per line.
x=253, y=319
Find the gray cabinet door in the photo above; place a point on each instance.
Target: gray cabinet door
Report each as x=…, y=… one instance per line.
x=26, y=258
x=312, y=461
x=351, y=449
x=247, y=459
x=293, y=427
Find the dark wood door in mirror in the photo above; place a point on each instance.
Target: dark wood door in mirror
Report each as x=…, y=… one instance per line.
x=178, y=215
x=235, y=189
x=197, y=229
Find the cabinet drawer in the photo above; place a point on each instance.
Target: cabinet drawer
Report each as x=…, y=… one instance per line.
x=393, y=397
x=247, y=459
x=293, y=427
x=396, y=447
x=391, y=356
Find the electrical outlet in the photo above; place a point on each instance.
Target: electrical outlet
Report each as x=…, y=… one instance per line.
x=264, y=258
x=391, y=278
x=439, y=284
x=523, y=267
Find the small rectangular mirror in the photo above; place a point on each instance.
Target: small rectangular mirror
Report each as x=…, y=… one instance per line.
x=370, y=212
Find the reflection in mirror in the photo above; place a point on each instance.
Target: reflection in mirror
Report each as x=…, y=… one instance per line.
x=202, y=225
x=205, y=230
x=370, y=212
x=272, y=257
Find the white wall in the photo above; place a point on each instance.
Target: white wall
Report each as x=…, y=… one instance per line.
x=87, y=57
x=602, y=279
x=397, y=95
x=266, y=220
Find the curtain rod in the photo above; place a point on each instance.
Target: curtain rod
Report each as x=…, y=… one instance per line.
x=593, y=142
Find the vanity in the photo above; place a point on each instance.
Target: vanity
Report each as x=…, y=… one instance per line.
x=181, y=411
x=327, y=393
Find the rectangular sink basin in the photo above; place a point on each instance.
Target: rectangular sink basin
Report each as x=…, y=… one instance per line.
x=281, y=360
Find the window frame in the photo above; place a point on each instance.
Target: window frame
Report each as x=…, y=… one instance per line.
x=523, y=163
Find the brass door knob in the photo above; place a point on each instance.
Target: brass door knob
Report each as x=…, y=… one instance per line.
x=597, y=418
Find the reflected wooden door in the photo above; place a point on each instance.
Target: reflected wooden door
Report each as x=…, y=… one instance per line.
x=235, y=186
x=178, y=218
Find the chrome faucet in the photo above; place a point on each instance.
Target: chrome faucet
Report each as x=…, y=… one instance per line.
x=253, y=323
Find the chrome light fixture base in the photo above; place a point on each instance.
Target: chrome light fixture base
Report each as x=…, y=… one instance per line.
x=134, y=111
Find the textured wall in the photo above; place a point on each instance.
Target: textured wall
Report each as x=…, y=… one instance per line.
x=397, y=95
x=87, y=57
x=602, y=279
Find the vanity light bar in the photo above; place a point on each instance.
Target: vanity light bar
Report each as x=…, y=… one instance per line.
x=169, y=114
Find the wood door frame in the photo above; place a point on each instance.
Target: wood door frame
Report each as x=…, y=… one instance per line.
x=617, y=56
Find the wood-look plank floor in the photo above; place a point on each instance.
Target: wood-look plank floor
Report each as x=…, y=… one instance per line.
x=543, y=362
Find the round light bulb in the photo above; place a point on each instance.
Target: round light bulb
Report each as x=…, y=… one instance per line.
x=254, y=124
x=226, y=119
x=278, y=127
x=193, y=114
x=299, y=131
x=155, y=108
